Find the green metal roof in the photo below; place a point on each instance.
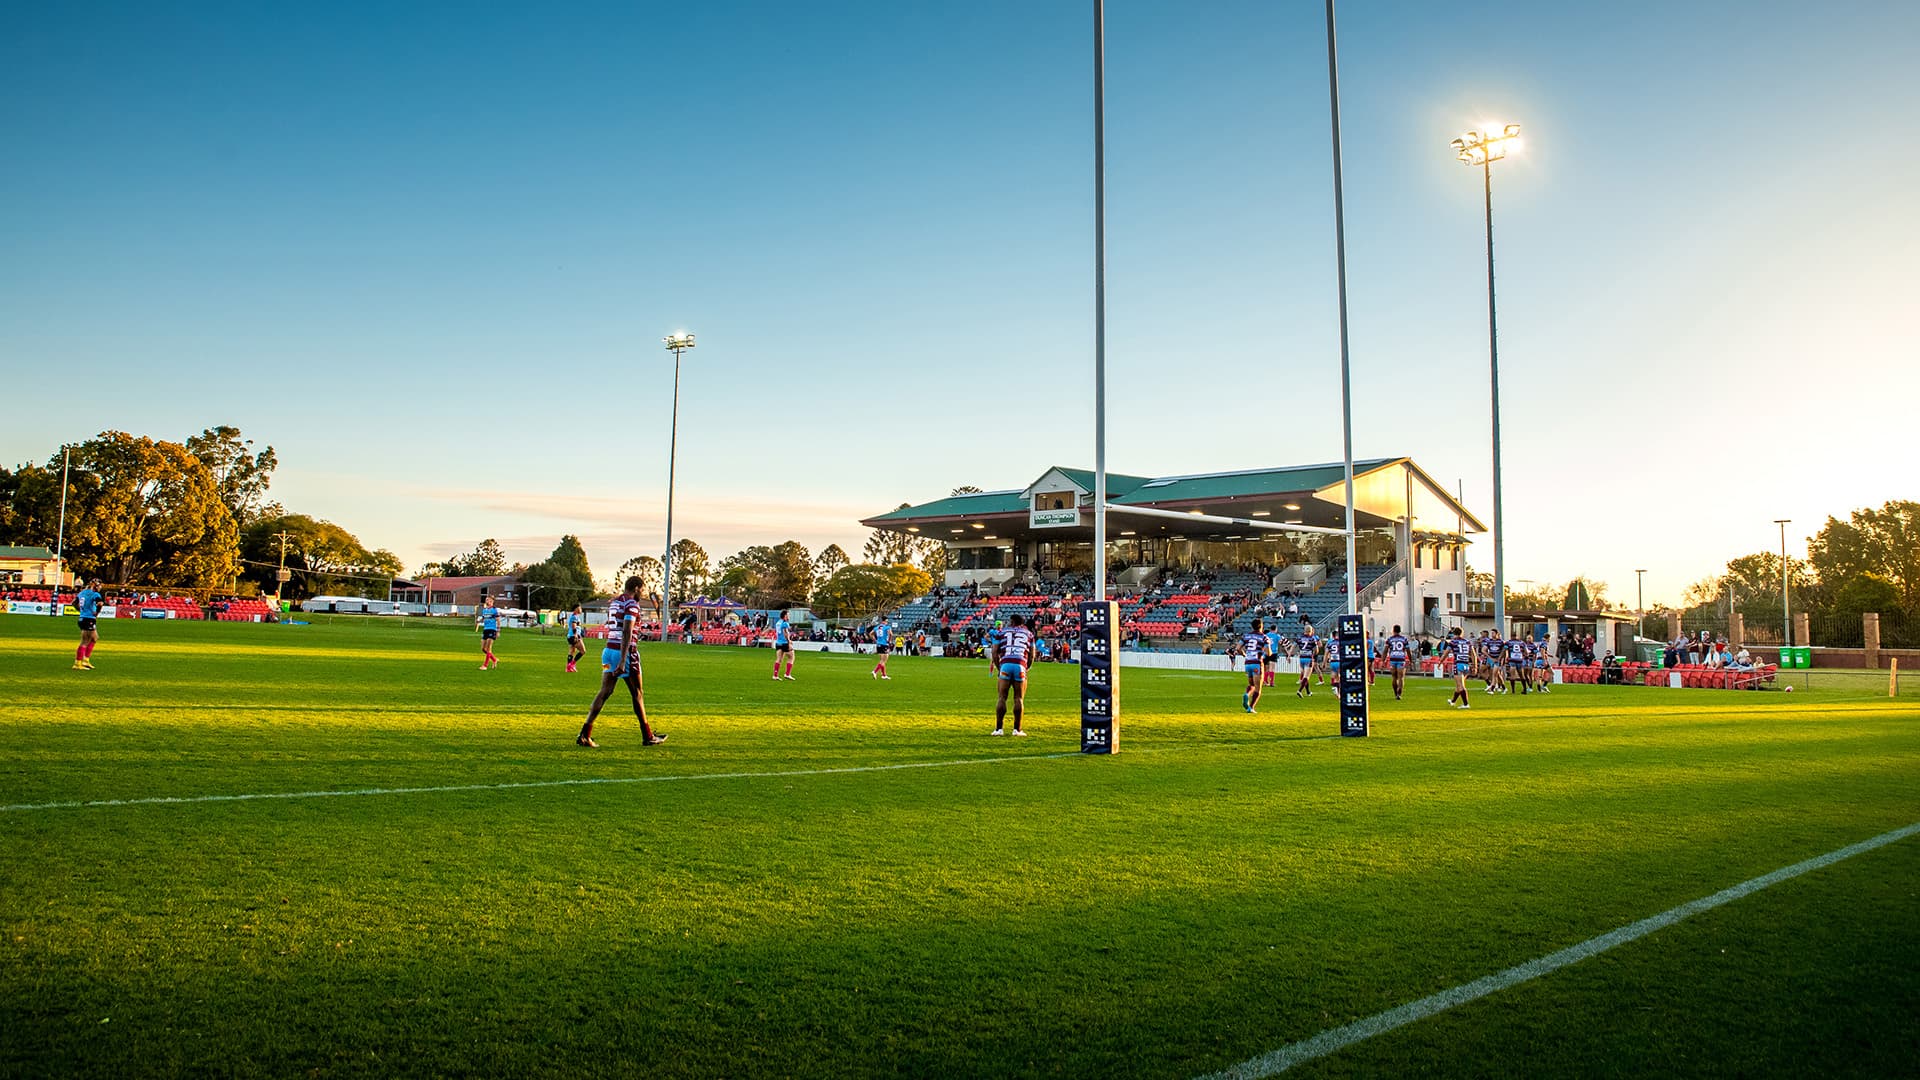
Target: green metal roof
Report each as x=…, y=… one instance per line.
x=1299, y=478
x=988, y=502
x=8, y=551
x=1118, y=484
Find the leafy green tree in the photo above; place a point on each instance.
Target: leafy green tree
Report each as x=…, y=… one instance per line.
x=324, y=558
x=141, y=511
x=746, y=574
x=1883, y=543
x=691, y=569
x=1754, y=582
x=485, y=560
x=645, y=567
x=885, y=547
x=790, y=576
x=241, y=474
x=562, y=579
x=862, y=589
x=829, y=561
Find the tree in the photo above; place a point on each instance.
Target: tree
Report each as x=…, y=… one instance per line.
x=746, y=574
x=829, y=561
x=790, y=572
x=147, y=512
x=966, y=489
x=646, y=568
x=241, y=475
x=691, y=569
x=1883, y=543
x=485, y=560
x=884, y=547
x=863, y=589
x=1754, y=581
x=562, y=579
x=323, y=557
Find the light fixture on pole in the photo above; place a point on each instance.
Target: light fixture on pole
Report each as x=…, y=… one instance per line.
x=677, y=343
x=1482, y=149
x=1786, y=609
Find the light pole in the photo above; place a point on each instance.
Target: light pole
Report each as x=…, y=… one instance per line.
x=60, y=540
x=1483, y=149
x=1099, y=301
x=1639, y=601
x=1786, y=609
x=677, y=343
x=1340, y=273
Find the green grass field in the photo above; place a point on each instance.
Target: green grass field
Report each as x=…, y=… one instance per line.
x=727, y=905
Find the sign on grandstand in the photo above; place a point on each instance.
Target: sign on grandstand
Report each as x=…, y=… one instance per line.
x=1054, y=519
x=1099, y=677
x=1351, y=642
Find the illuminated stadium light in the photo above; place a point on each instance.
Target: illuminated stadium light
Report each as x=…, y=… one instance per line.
x=1480, y=149
x=977, y=525
x=1289, y=506
x=678, y=342
x=1263, y=513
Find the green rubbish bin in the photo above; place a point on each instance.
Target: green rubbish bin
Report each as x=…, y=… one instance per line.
x=1802, y=656
x=1786, y=657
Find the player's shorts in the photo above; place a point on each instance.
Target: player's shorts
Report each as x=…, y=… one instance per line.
x=783, y=646
x=573, y=639
x=489, y=635
x=882, y=650
x=1396, y=664
x=89, y=624
x=1013, y=671
x=1255, y=667
x=614, y=662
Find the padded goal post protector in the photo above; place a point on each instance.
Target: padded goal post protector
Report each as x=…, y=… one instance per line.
x=1099, y=677
x=1351, y=631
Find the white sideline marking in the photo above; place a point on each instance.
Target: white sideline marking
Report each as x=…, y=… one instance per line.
x=1334, y=1039
x=168, y=800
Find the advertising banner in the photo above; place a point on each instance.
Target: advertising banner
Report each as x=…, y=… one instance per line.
x=1351, y=644
x=1099, y=677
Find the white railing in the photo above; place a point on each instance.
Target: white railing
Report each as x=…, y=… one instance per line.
x=1376, y=589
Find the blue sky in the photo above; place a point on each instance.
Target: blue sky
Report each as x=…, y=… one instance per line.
x=428, y=252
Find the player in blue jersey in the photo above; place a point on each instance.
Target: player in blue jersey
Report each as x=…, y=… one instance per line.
x=1012, y=657
x=486, y=619
x=1462, y=649
x=1307, y=651
x=1274, y=645
x=87, y=603
x=1541, y=659
x=576, y=638
x=783, y=646
x=1398, y=650
x=620, y=660
x=1256, y=656
x=883, y=648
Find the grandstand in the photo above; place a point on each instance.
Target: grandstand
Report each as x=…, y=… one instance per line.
x=1184, y=585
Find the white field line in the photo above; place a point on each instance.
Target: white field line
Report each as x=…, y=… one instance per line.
x=1335, y=1039
x=169, y=800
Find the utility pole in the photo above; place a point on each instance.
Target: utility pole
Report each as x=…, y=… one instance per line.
x=280, y=576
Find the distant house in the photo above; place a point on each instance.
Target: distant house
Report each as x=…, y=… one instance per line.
x=30, y=566
x=459, y=592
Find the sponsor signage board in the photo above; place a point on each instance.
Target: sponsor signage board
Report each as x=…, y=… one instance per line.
x=1351, y=644
x=1099, y=677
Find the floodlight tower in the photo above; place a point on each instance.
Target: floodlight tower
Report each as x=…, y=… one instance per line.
x=1483, y=148
x=677, y=343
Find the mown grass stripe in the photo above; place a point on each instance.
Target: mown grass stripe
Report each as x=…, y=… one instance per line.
x=170, y=800
x=1335, y=1039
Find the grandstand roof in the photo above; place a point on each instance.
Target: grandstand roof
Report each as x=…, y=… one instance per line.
x=1385, y=491
x=12, y=551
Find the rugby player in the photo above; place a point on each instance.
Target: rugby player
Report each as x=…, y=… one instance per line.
x=1012, y=656
x=1398, y=649
x=621, y=660
x=1307, y=652
x=576, y=638
x=1256, y=656
x=1462, y=649
x=882, y=647
x=87, y=603
x=783, y=646
x=486, y=619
